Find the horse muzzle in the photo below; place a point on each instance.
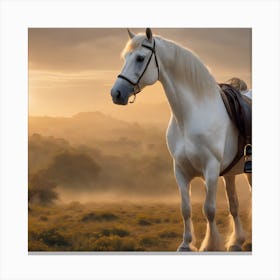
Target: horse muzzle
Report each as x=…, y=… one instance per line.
x=121, y=92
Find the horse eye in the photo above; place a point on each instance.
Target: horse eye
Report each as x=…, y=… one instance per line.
x=140, y=58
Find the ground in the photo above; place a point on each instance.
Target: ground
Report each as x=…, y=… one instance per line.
x=123, y=226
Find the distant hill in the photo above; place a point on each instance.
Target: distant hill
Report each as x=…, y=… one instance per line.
x=156, y=114
x=101, y=131
x=133, y=157
x=83, y=123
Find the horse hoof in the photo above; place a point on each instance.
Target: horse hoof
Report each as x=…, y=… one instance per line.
x=184, y=249
x=234, y=248
x=247, y=247
x=187, y=249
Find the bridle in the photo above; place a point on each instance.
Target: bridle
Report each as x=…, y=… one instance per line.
x=136, y=87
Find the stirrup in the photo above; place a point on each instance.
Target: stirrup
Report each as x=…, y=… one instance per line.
x=248, y=166
x=248, y=162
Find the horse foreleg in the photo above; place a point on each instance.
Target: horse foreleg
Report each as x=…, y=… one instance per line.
x=184, y=187
x=237, y=237
x=211, y=240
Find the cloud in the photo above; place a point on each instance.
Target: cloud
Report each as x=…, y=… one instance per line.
x=76, y=49
x=73, y=69
x=54, y=79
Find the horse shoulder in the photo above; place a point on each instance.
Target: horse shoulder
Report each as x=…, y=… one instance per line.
x=181, y=148
x=192, y=148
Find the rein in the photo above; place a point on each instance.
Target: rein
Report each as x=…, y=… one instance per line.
x=136, y=87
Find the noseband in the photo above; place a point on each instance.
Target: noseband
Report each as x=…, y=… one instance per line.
x=136, y=86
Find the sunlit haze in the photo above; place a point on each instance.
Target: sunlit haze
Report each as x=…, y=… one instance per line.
x=73, y=70
x=100, y=176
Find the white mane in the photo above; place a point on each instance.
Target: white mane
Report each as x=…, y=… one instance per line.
x=188, y=65
x=190, y=68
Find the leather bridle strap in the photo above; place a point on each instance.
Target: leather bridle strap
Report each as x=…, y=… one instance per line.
x=136, y=84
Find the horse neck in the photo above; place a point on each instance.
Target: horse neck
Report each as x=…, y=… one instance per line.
x=186, y=81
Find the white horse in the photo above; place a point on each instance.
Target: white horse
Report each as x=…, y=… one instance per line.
x=201, y=137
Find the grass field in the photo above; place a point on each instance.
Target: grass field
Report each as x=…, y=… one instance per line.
x=117, y=226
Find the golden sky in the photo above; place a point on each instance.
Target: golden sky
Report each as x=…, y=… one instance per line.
x=72, y=70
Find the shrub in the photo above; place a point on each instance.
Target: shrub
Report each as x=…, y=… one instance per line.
x=98, y=217
x=53, y=238
x=144, y=222
x=149, y=241
x=169, y=234
x=115, y=231
x=147, y=221
x=41, y=189
x=71, y=169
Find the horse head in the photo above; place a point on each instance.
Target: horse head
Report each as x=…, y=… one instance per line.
x=140, y=68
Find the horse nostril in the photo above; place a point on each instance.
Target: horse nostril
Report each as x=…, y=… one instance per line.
x=118, y=94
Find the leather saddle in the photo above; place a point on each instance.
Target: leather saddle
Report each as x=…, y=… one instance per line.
x=239, y=108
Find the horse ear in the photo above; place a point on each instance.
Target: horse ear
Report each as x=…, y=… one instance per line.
x=130, y=34
x=149, y=34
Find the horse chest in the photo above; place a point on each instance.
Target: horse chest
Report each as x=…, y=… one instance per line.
x=186, y=151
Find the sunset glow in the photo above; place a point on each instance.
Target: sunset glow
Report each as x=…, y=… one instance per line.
x=73, y=70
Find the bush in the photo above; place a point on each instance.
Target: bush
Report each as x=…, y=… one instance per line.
x=41, y=189
x=70, y=169
x=53, y=238
x=115, y=231
x=169, y=234
x=99, y=217
x=149, y=241
x=147, y=221
x=144, y=222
